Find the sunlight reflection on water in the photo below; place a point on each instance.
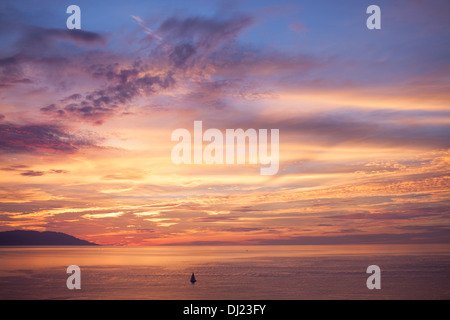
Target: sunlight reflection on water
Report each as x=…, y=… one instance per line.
x=235, y=272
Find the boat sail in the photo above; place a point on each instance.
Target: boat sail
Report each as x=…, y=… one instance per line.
x=193, y=280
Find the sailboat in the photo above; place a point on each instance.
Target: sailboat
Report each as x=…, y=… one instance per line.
x=193, y=280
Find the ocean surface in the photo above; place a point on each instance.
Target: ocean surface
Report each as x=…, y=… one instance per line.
x=233, y=272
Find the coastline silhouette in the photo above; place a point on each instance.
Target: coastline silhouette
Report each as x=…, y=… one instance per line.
x=38, y=238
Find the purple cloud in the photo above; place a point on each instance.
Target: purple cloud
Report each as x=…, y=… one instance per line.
x=37, y=39
x=241, y=229
x=123, y=85
x=41, y=138
x=14, y=168
x=32, y=173
x=204, y=33
x=214, y=218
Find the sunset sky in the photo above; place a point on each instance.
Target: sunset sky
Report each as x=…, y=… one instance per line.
x=86, y=118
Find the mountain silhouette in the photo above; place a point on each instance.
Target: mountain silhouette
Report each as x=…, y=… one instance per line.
x=37, y=238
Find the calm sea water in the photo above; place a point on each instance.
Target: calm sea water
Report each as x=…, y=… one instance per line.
x=235, y=272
